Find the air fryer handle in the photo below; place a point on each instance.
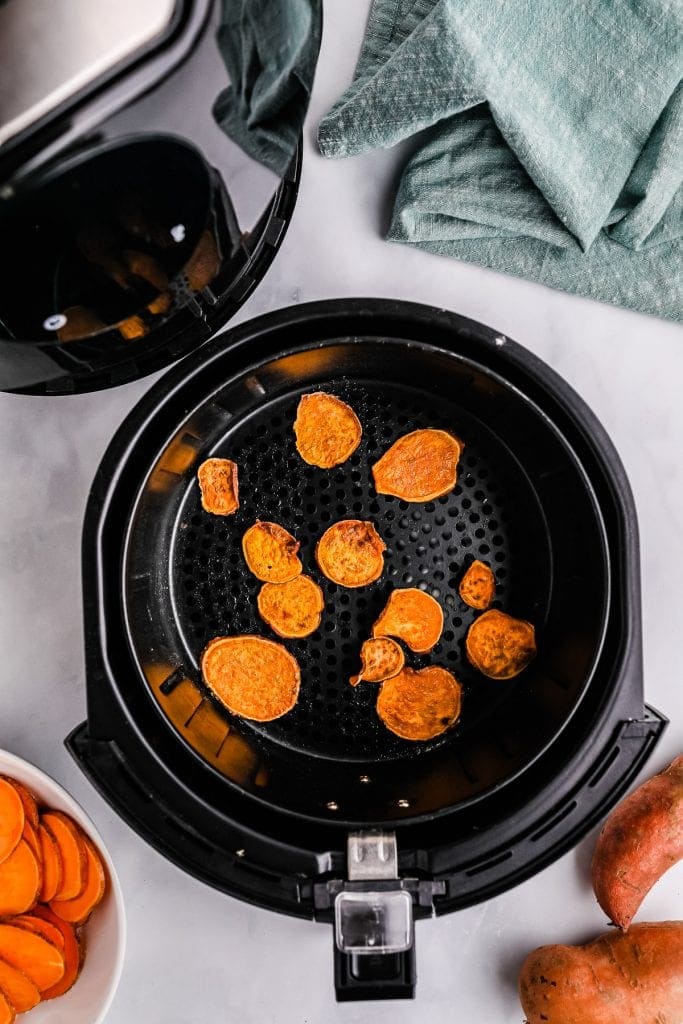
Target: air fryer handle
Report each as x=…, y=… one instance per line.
x=364, y=976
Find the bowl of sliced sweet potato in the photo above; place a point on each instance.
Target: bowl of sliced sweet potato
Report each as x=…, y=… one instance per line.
x=62, y=920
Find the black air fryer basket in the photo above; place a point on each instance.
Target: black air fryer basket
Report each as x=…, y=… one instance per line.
x=324, y=813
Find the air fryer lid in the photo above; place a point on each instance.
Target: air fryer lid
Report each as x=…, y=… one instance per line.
x=133, y=224
x=523, y=503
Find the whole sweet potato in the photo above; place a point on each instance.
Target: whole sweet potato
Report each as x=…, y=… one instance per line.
x=641, y=839
x=633, y=978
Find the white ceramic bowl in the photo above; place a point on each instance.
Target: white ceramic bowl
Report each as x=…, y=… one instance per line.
x=105, y=933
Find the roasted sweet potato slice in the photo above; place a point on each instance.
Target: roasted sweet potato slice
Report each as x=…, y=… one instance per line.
x=380, y=659
x=28, y=800
x=292, y=609
x=12, y=817
x=219, y=486
x=20, y=879
x=251, y=676
x=52, y=864
x=420, y=466
x=270, y=552
x=351, y=553
x=419, y=704
x=412, y=616
x=7, y=1012
x=19, y=990
x=78, y=910
x=478, y=585
x=327, y=430
x=31, y=954
x=500, y=646
x=67, y=835
x=72, y=953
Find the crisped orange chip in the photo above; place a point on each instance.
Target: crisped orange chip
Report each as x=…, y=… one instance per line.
x=292, y=609
x=327, y=430
x=251, y=676
x=351, y=553
x=380, y=658
x=412, y=616
x=499, y=645
x=420, y=704
x=219, y=487
x=420, y=466
x=270, y=552
x=478, y=585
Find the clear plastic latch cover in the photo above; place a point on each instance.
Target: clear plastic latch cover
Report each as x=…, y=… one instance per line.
x=373, y=922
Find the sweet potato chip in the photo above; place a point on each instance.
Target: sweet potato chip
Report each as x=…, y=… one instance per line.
x=31, y=954
x=351, y=553
x=271, y=552
x=412, y=616
x=380, y=659
x=327, y=430
x=292, y=609
x=52, y=864
x=478, y=585
x=251, y=676
x=8, y=1013
x=420, y=466
x=419, y=704
x=219, y=486
x=28, y=800
x=500, y=646
x=72, y=852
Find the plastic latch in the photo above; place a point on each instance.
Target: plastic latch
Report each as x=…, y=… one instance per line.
x=373, y=922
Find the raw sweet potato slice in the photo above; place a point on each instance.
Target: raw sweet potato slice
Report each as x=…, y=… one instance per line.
x=78, y=910
x=500, y=646
x=19, y=990
x=380, y=659
x=30, y=836
x=351, y=553
x=327, y=430
x=420, y=466
x=31, y=954
x=270, y=552
x=412, y=616
x=291, y=609
x=72, y=953
x=420, y=704
x=72, y=851
x=28, y=800
x=478, y=585
x=52, y=864
x=219, y=486
x=20, y=879
x=7, y=1012
x=12, y=817
x=41, y=927
x=641, y=839
x=251, y=676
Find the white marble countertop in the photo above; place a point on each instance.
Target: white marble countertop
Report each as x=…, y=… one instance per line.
x=195, y=955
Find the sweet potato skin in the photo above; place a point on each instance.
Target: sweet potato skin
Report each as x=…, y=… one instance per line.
x=641, y=839
x=635, y=978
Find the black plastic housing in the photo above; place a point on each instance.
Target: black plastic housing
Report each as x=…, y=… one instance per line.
x=265, y=854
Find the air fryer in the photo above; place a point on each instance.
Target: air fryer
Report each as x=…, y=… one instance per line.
x=324, y=813
x=133, y=226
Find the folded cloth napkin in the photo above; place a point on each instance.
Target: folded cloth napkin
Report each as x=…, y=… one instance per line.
x=552, y=143
x=270, y=49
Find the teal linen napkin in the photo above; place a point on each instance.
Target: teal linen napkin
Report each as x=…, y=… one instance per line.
x=552, y=143
x=270, y=49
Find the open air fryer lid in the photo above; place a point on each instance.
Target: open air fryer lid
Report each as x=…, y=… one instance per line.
x=276, y=814
x=149, y=167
